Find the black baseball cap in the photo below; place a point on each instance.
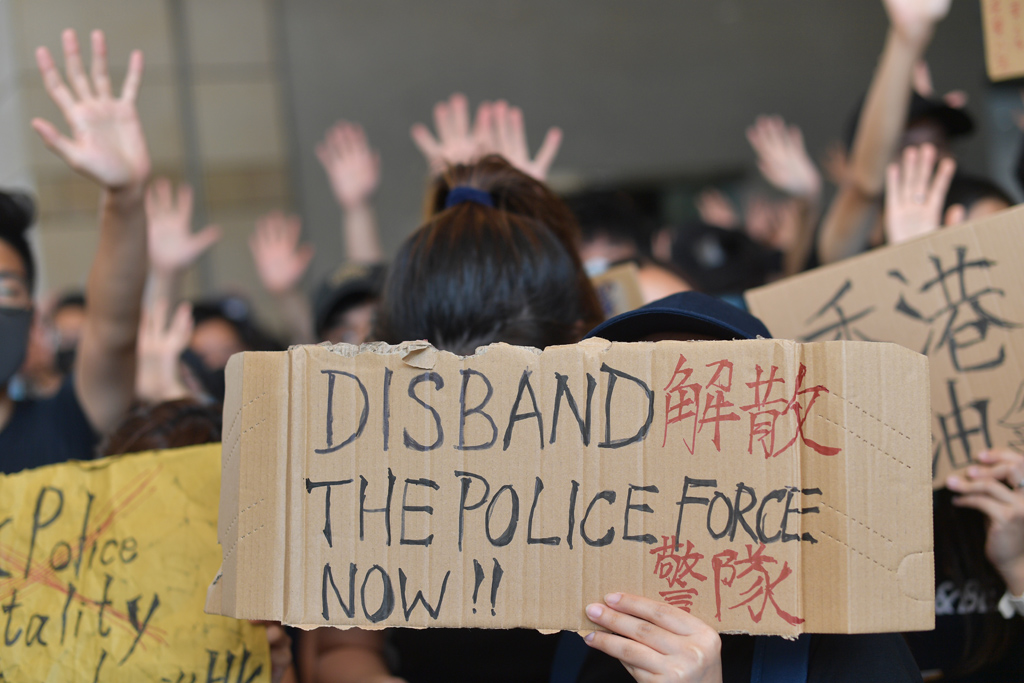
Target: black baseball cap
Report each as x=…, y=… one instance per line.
x=686, y=312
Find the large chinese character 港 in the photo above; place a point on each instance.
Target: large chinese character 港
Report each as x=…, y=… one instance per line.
x=962, y=319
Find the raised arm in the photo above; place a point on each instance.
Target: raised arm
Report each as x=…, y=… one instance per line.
x=915, y=192
x=783, y=160
x=457, y=141
x=107, y=145
x=354, y=171
x=853, y=213
x=173, y=247
x=508, y=138
x=281, y=260
x=995, y=487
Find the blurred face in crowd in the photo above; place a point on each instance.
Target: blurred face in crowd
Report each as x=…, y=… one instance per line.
x=14, y=290
x=67, y=326
x=354, y=325
x=926, y=131
x=15, y=312
x=986, y=206
x=215, y=340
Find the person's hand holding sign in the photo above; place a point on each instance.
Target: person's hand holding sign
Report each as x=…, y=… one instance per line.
x=995, y=486
x=915, y=191
x=655, y=641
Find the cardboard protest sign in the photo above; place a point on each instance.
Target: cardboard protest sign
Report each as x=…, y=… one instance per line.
x=766, y=486
x=618, y=289
x=103, y=573
x=1003, y=23
x=956, y=296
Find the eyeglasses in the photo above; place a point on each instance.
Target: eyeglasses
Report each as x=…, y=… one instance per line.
x=14, y=290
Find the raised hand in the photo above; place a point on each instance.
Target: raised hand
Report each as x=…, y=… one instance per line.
x=655, y=641
x=783, y=159
x=995, y=486
x=915, y=18
x=160, y=345
x=172, y=244
x=106, y=144
x=352, y=167
x=456, y=141
x=279, y=257
x=508, y=138
x=836, y=163
x=773, y=223
x=716, y=209
x=915, y=191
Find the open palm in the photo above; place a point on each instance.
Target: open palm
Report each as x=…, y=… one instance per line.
x=106, y=142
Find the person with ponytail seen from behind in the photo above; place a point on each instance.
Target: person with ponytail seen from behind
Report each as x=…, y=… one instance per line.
x=495, y=261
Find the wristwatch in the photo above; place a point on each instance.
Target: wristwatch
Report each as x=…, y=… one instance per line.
x=1010, y=605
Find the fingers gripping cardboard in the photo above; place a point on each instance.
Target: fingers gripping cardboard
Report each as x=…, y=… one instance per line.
x=765, y=486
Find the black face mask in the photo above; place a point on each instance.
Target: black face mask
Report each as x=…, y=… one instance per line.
x=65, y=360
x=15, y=324
x=212, y=381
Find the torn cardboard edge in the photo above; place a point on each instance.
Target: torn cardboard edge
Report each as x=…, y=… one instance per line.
x=298, y=429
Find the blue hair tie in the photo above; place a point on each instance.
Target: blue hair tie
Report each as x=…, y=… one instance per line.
x=465, y=193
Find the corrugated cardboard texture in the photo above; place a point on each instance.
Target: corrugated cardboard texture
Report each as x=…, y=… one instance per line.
x=957, y=296
x=766, y=486
x=1003, y=24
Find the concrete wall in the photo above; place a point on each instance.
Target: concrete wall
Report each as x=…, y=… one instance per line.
x=642, y=89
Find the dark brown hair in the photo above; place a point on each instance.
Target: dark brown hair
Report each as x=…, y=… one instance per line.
x=474, y=274
x=173, y=424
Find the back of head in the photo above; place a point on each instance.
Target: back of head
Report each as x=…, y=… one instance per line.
x=611, y=215
x=475, y=274
x=719, y=261
x=173, y=424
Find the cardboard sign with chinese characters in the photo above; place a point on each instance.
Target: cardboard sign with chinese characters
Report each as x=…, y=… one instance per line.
x=956, y=296
x=1003, y=22
x=103, y=573
x=765, y=486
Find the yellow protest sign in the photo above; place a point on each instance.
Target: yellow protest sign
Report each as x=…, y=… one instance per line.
x=104, y=567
